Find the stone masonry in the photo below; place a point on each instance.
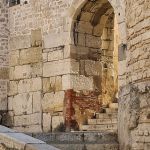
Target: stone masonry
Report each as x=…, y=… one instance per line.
x=66, y=60
x=3, y=56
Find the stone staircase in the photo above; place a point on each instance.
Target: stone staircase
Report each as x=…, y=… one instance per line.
x=99, y=134
x=106, y=121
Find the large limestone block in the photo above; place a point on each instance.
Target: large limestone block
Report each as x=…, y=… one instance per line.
x=56, y=120
x=31, y=55
x=60, y=67
x=36, y=70
x=12, y=88
x=58, y=83
x=4, y=73
x=47, y=122
x=14, y=58
x=24, y=120
x=36, y=84
x=27, y=85
x=45, y=57
x=29, y=129
x=53, y=84
x=46, y=85
x=22, y=72
x=22, y=104
x=84, y=27
x=19, y=42
x=53, y=102
x=77, y=82
x=81, y=39
x=10, y=103
x=93, y=67
x=36, y=38
x=24, y=86
x=86, y=16
x=93, y=41
x=66, y=82
x=55, y=39
x=11, y=73
x=55, y=55
x=37, y=102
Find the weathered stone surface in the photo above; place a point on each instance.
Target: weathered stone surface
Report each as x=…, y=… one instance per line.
x=24, y=85
x=3, y=95
x=26, y=120
x=27, y=85
x=60, y=40
x=10, y=103
x=22, y=104
x=37, y=104
x=46, y=84
x=58, y=83
x=36, y=70
x=31, y=55
x=77, y=82
x=19, y=42
x=53, y=102
x=29, y=129
x=13, y=88
x=60, y=67
x=36, y=38
x=55, y=55
x=4, y=73
x=47, y=122
x=56, y=120
x=14, y=58
x=21, y=72
x=36, y=84
x=93, y=68
x=93, y=41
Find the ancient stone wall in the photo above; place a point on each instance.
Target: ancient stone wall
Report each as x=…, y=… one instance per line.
x=44, y=65
x=3, y=56
x=39, y=63
x=135, y=97
x=46, y=58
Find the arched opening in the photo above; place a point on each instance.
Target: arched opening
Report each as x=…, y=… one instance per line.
x=95, y=47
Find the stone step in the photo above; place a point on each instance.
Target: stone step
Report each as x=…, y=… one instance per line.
x=110, y=146
x=113, y=105
x=106, y=115
x=77, y=137
x=102, y=121
x=102, y=127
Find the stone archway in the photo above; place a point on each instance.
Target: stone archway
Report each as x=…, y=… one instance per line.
x=88, y=21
